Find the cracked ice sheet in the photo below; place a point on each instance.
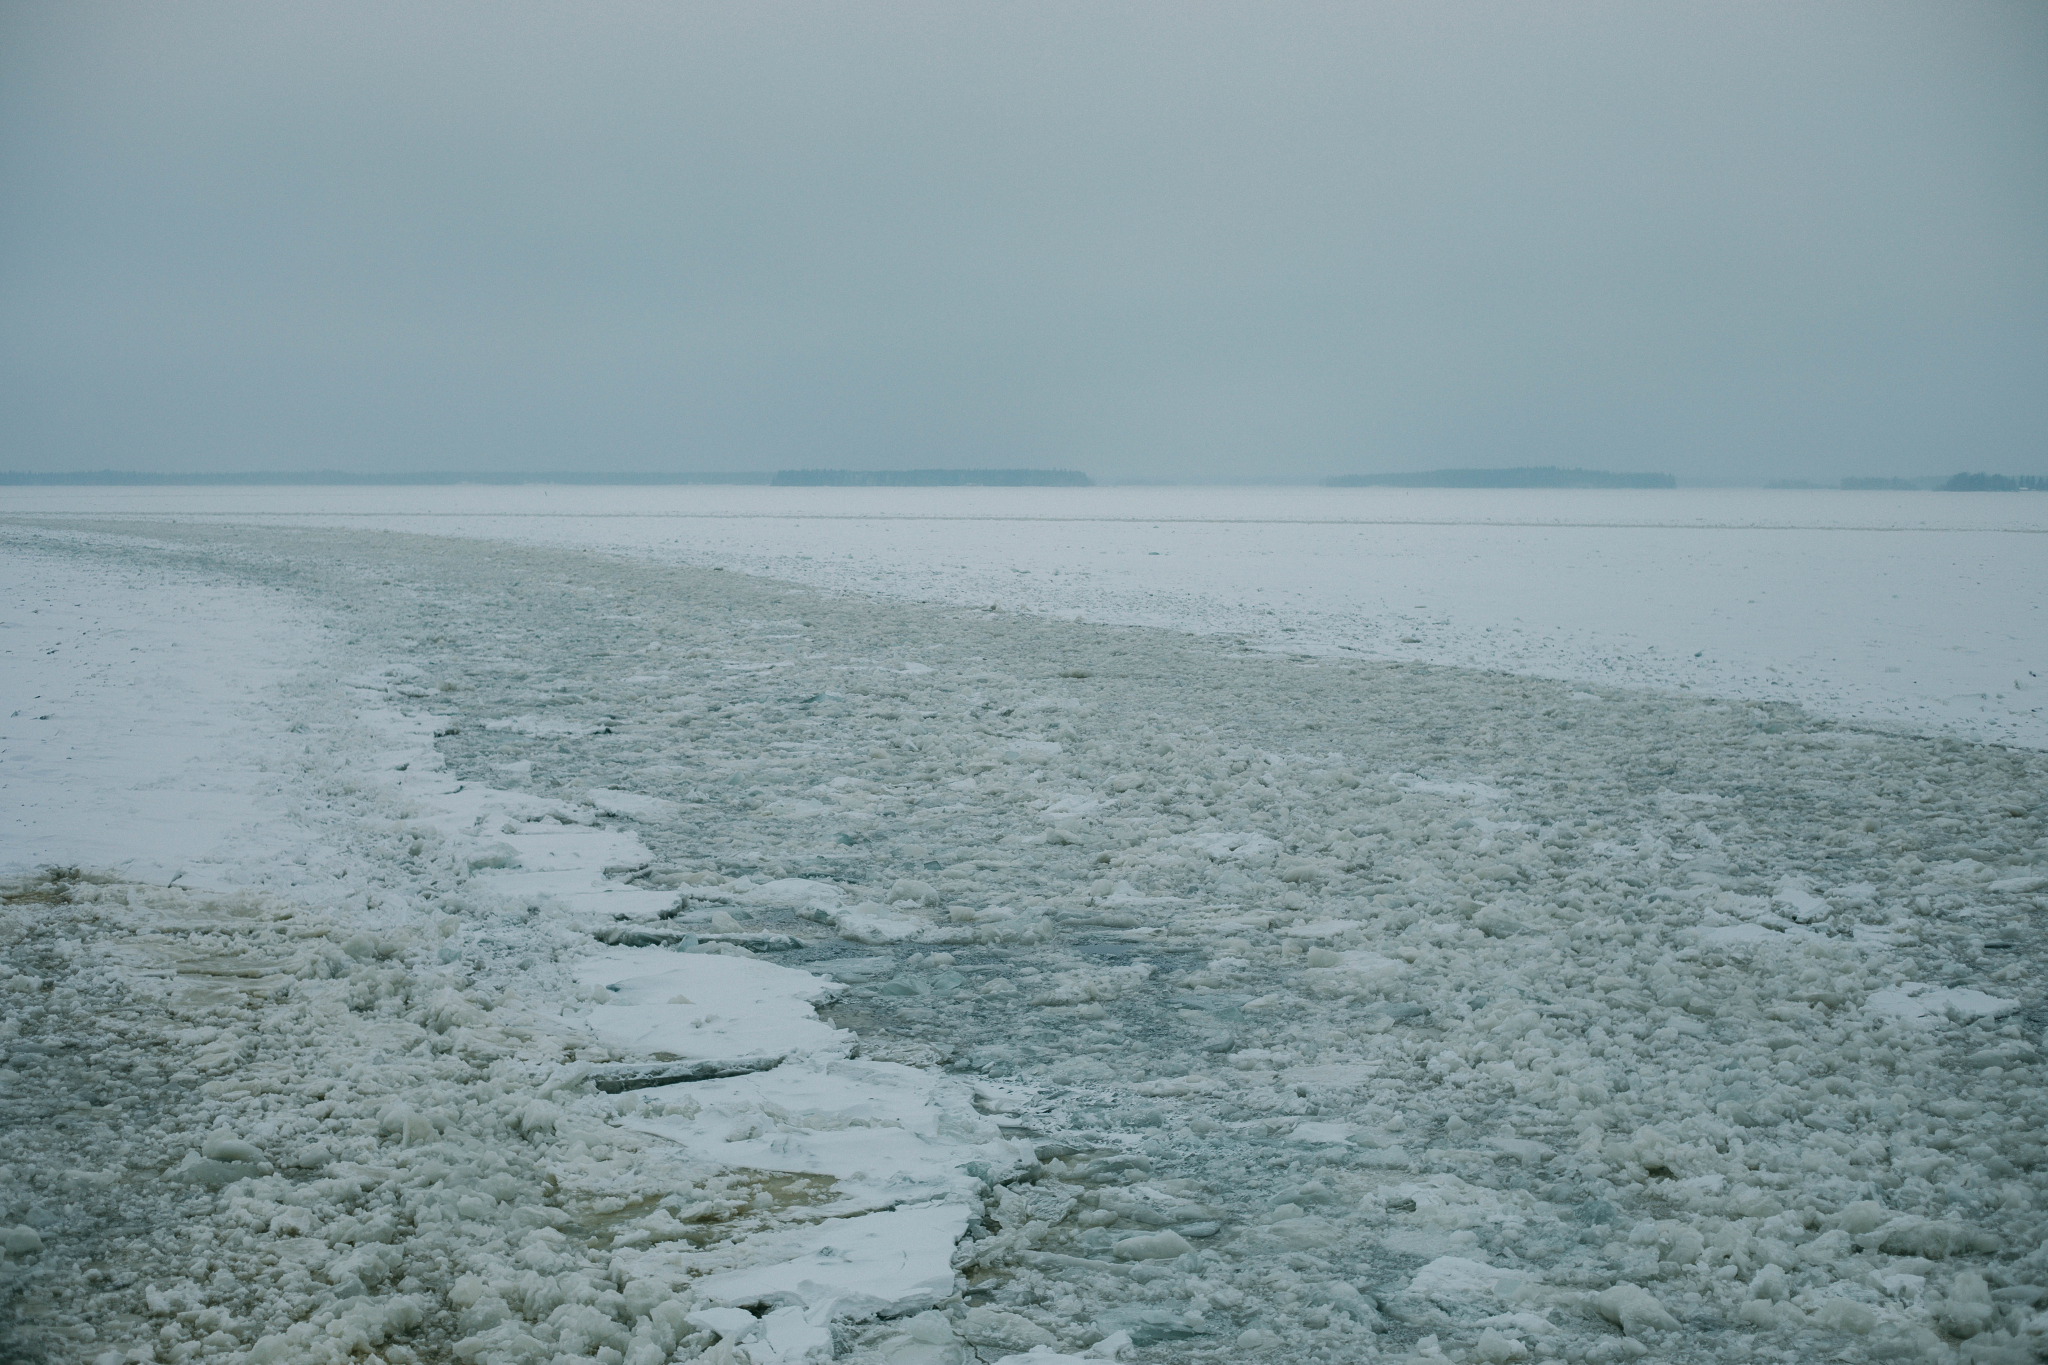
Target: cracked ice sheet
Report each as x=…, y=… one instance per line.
x=877, y=1265
x=122, y=790
x=888, y=1133
x=882, y=1264
x=524, y=848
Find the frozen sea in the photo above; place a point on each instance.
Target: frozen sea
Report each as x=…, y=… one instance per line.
x=1917, y=610
x=562, y=925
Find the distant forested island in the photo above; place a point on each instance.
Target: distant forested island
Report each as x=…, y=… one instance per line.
x=783, y=478
x=930, y=478
x=326, y=477
x=1996, y=483
x=1536, y=476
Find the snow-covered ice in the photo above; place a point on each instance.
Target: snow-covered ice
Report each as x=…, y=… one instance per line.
x=125, y=694
x=989, y=987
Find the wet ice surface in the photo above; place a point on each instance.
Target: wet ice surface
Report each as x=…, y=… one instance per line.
x=1222, y=1005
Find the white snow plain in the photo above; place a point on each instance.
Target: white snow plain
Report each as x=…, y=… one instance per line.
x=608, y=960
x=126, y=695
x=1925, y=611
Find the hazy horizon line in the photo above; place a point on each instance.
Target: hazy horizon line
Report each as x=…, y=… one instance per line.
x=765, y=479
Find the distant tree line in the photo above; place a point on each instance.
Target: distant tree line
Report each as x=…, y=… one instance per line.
x=786, y=478
x=930, y=478
x=324, y=477
x=1537, y=476
x=1996, y=483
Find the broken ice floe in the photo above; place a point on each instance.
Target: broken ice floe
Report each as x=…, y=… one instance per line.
x=1587, y=1063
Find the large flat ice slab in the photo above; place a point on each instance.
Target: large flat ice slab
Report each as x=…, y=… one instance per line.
x=879, y=1264
x=884, y=1131
x=667, y=1005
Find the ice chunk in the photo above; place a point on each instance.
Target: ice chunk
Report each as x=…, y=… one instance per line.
x=1236, y=846
x=548, y=847
x=731, y=1324
x=1497, y=1348
x=1633, y=1309
x=993, y=1327
x=1111, y=1347
x=1865, y=1215
x=870, y=923
x=632, y=805
x=1153, y=1246
x=795, y=891
x=1524, y=1150
x=1340, y=1075
x=1732, y=935
x=1321, y=929
x=1931, y=1238
x=1454, y=1280
x=1798, y=902
x=214, y=1175
x=1070, y=807
x=1469, y=790
x=1846, y=1315
x=228, y=1147
x=854, y=970
x=1358, y=967
x=925, y=1339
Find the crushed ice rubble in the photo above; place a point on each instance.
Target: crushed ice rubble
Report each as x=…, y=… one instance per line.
x=727, y=972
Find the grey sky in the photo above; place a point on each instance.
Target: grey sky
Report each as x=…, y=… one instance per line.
x=1177, y=240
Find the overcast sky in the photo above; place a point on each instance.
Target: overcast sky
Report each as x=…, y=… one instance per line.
x=1177, y=240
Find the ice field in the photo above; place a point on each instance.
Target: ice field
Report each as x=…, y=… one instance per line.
x=568, y=925
x=1925, y=611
